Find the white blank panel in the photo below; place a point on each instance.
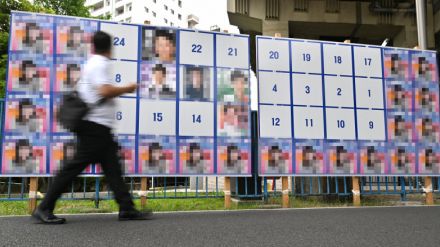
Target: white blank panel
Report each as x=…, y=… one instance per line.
x=124, y=72
x=371, y=125
x=368, y=61
x=232, y=51
x=307, y=89
x=157, y=117
x=196, y=48
x=274, y=88
x=273, y=54
x=339, y=91
x=337, y=59
x=124, y=40
x=125, y=116
x=306, y=57
x=369, y=93
x=308, y=122
x=340, y=124
x=196, y=119
x=275, y=121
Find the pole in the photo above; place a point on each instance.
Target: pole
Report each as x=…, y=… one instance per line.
x=227, y=191
x=33, y=187
x=144, y=191
x=421, y=23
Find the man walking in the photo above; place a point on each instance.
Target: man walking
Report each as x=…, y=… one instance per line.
x=94, y=135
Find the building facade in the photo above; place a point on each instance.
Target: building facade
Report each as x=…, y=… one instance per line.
x=154, y=12
x=368, y=21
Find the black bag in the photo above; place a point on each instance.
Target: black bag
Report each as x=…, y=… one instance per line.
x=72, y=110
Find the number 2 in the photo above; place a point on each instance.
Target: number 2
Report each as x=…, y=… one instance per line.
x=196, y=48
x=339, y=93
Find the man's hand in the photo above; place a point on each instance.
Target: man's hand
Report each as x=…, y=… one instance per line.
x=109, y=91
x=131, y=87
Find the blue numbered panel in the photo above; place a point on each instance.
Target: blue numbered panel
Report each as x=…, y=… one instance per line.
x=125, y=40
x=273, y=54
x=274, y=88
x=157, y=117
x=232, y=51
x=307, y=89
x=275, y=121
x=196, y=48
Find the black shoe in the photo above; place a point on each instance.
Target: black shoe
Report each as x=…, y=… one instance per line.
x=135, y=215
x=47, y=217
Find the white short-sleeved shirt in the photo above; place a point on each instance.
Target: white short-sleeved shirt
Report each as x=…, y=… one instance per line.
x=96, y=73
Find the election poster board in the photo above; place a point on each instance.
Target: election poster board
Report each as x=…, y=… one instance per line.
x=338, y=109
x=189, y=116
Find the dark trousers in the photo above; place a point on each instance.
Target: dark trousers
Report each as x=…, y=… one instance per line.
x=95, y=145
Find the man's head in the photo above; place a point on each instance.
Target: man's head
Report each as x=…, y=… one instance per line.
x=28, y=71
x=73, y=74
x=233, y=153
x=274, y=154
x=308, y=153
x=26, y=110
x=159, y=73
x=238, y=81
x=75, y=37
x=196, y=77
x=32, y=33
x=23, y=151
x=164, y=47
x=195, y=153
x=155, y=152
x=102, y=44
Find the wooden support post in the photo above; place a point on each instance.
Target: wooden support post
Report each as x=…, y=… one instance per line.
x=285, y=191
x=33, y=188
x=144, y=192
x=428, y=190
x=227, y=191
x=356, y=192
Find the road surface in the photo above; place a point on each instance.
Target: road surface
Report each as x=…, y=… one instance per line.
x=379, y=226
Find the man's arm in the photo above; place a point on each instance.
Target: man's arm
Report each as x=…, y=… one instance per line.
x=108, y=91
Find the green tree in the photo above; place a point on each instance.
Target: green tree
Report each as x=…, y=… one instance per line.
x=66, y=7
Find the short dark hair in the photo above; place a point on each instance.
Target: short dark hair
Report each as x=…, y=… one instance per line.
x=165, y=34
x=160, y=68
x=236, y=75
x=102, y=42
